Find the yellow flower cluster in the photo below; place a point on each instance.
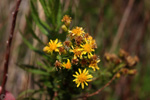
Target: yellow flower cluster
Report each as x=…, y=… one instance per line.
x=78, y=50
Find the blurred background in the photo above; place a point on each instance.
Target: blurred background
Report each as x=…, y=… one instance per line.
x=114, y=24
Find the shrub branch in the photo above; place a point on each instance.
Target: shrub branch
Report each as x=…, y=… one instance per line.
x=99, y=90
x=9, y=42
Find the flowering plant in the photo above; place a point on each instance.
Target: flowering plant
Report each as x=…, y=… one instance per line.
x=76, y=54
x=67, y=64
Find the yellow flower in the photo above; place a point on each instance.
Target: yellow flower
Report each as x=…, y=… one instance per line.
x=52, y=46
x=93, y=64
x=66, y=19
x=82, y=78
x=67, y=65
x=78, y=31
x=92, y=41
x=77, y=52
x=90, y=38
x=87, y=48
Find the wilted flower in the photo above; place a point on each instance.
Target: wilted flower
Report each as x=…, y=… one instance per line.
x=62, y=50
x=58, y=64
x=74, y=61
x=113, y=58
x=131, y=61
x=67, y=43
x=78, y=40
x=123, y=53
x=84, y=62
x=67, y=20
x=86, y=35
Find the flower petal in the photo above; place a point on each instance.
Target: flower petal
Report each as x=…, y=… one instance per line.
x=56, y=41
x=78, y=84
x=86, y=83
x=84, y=71
x=82, y=84
x=80, y=71
x=77, y=73
x=75, y=80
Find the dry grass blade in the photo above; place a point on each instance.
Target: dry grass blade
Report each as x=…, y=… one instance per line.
x=122, y=25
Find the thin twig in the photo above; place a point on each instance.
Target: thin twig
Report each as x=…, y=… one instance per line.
x=99, y=90
x=9, y=42
x=122, y=25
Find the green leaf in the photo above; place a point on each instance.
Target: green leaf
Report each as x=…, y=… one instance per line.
x=33, y=69
x=59, y=15
x=47, y=9
x=32, y=32
x=32, y=48
x=39, y=72
x=47, y=68
x=44, y=27
x=29, y=91
x=119, y=67
x=25, y=92
x=48, y=84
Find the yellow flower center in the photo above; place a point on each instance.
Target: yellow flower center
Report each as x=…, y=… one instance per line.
x=87, y=48
x=77, y=31
x=53, y=46
x=82, y=77
x=77, y=52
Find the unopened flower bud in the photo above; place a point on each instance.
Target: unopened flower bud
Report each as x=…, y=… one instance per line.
x=78, y=40
x=58, y=64
x=64, y=28
x=118, y=75
x=67, y=43
x=124, y=71
x=67, y=20
x=132, y=72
